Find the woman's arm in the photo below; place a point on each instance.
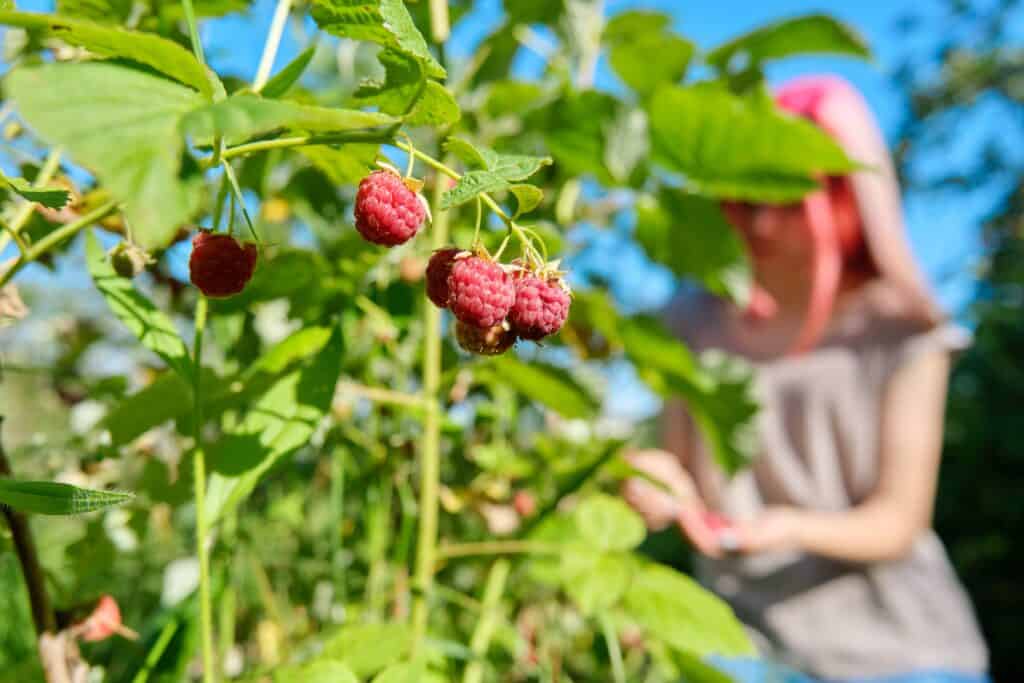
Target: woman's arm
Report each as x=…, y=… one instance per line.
x=884, y=526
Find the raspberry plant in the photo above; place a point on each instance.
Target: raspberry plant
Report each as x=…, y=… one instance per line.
x=366, y=501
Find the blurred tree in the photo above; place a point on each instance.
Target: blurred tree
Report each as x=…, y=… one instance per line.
x=975, y=69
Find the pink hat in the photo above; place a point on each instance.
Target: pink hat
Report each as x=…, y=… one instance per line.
x=835, y=106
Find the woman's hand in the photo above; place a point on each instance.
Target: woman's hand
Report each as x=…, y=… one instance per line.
x=679, y=504
x=775, y=529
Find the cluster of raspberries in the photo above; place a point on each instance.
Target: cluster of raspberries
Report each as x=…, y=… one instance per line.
x=492, y=306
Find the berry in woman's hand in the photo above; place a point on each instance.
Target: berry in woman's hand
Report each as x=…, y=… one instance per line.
x=387, y=212
x=220, y=266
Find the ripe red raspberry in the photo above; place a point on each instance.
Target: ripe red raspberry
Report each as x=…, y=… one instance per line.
x=541, y=307
x=438, y=269
x=480, y=293
x=219, y=265
x=387, y=212
x=484, y=341
x=524, y=503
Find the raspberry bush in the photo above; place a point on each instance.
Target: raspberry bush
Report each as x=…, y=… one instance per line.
x=333, y=450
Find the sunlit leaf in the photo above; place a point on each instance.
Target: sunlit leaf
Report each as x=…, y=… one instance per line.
x=51, y=197
x=243, y=116
x=607, y=523
x=736, y=147
x=52, y=498
x=161, y=54
x=149, y=324
x=403, y=672
x=679, y=611
x=548, y=385
x=528, y=198
x=690, y=235
x=406, y=83
x=385, y=22
x=289, y=75
x=644, y=53
x=368, y=648
x=121, y=124
x=280, y=422
x=812, y=34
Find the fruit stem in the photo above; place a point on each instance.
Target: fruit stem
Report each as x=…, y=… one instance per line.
x=514, y=228
x=273, y=42
x=193, y=30
x=54, y=238
x=199, y=483
x=489, y=617
x=430, y=455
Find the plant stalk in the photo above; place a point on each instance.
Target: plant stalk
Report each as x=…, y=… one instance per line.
x=488, y=621
x=44, y=176
x=498, y=548
x=193, y=30
x=199, y=482
x=611, y=640
x=24, y=546
x=273, y=42
x=430, y=455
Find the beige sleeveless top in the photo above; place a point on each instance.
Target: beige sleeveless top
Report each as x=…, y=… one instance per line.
x=819, y=433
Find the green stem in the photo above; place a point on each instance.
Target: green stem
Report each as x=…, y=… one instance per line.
x=202, y=529
x=162, y=641
x=54, y=238
x=488, y=621
x=611, y=639
x=498, y=548
x=273, y=41
x=193, y=30
x=430, y=455
x=440, y=24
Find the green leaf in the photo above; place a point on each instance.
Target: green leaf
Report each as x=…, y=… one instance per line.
x=546, y=384
x=284, y=79
x=318, y=671
x=52, y=498
x=243, y=116
x=498, y=171
x=385, y=22
x=607, y=523
x=812, y=34
x=648, y=344
x=161, y=54
x=346, y=165
x=405, y=83
x=690, y=235
x=627, y=144
x=403, y=672
x=735, y=147
x=149, y=324
x=635, y=37
x=280, y=422
x=50, y=197
x=121, y=124
x=574, y=128
x=676, y=609
x=368, y=648
x=169, y=396
x=595, y=581
x=528, y=198
x=471, y=185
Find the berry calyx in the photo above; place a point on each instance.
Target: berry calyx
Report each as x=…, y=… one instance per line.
x=387, y=212
x=438, y=269
x=484, y=341
x=220, y=266
x=480, y=292
x=541, y=306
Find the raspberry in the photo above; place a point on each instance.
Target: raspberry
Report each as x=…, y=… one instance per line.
x=387, y=212
x=480, y=293
x=438, y=269
x=541, y=307
x=484, y=341
x=524, y=503
x=219, y=265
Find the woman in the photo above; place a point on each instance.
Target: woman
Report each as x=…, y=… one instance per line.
x=823, y=546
